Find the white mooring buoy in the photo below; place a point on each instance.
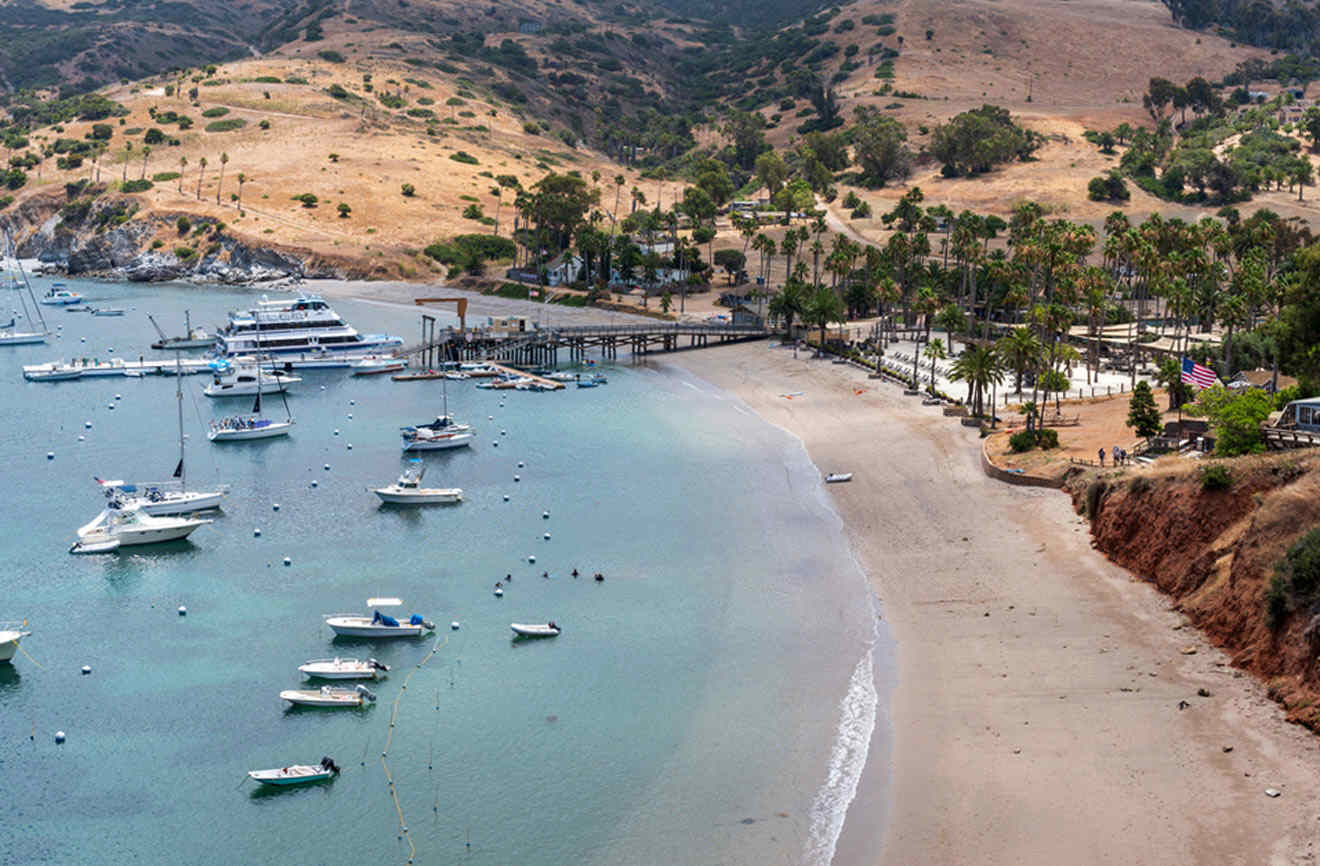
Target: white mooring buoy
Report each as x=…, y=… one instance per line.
x=531, y=558
x=316, y=483
x=545, y=515
x=326, y=467
x=350, y=446
x=288, y=561
x=275, y=507
x=454, y=625
x=183, y=611
x=256, y=533
x=517, y=478
x=547, y=536
x=336, y=431
x=506, y=496
x=86, y=669
x=59, y=737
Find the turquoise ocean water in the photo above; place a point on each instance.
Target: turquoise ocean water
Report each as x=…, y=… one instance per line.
x=713, y=701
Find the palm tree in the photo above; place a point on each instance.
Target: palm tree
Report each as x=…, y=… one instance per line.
x=823, y=307
x=788, y=304
x=981, y=368
x=224, y=158
x=201, y=172
x=935, y=352
x=1057, y=383
x=242, y=179
x=1022, y=351
x=619, y=181
x=951, y=318
x=183, y=165
x=128, y=148
x=146, y=152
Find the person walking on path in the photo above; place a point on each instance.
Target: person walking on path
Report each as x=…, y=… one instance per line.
x=1102, y=456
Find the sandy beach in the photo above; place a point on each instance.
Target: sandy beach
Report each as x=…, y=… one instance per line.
x=1036, y=717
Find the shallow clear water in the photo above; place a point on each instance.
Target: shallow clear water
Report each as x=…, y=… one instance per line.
x=689, y=713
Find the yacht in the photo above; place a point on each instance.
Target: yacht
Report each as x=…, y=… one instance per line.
x=302, y=324
x=59, y=296
x=441, y=433
x=119, y=526
x=10, y=634
x=194, y=338
x=408, y=490
x=244, y=382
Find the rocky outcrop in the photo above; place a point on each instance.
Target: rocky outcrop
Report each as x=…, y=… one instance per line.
x=104, y=235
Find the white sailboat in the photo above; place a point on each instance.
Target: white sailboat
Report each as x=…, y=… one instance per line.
x=10, y=333
x=164, y=498
x=241, y=428
x=444, y=432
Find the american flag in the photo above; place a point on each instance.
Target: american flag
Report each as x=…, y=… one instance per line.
x=1197, y=375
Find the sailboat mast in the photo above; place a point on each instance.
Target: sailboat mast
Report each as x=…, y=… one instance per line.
x=187, y=326
x=178, y=398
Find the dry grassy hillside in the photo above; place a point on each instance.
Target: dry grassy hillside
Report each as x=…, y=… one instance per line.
x=376, y=151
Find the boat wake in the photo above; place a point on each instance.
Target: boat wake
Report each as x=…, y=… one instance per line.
x=857, y=716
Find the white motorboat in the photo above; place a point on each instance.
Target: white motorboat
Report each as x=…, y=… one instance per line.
x=58, y=296
x=329, y=696
x=408, y=490
x=838, y=477
x=248, y=381
x=378, y=624
x=544, y=629
x=562, y=376
x=196, y=338
x=378, y=366
x=457, y=377
x=343, y=669
x=296, y=774
x=117, y=526
x=163, y=498
x=238, y=428
x=10, y=634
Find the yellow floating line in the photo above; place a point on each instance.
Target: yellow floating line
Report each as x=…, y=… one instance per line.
x=394, y=713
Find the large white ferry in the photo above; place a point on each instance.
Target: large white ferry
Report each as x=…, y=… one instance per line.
x=305, y=324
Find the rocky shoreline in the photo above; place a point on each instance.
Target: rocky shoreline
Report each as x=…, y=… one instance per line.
x=106, y=236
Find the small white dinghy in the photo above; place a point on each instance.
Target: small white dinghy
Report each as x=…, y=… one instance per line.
x=296, y=774
x=378, y=366
x=329, y=696
x=378, y=624
x=343, y=669
x=10, y=635
x=408, y=490
x=838, y=477
x=545, y=629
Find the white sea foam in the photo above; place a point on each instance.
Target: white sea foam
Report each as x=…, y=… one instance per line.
x=857, y=715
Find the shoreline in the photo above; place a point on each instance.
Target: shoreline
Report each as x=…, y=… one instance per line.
x=1035, y=716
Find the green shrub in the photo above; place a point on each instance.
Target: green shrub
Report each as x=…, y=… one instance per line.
x=6, y=201
x=226, y=125
x=389, y=100
x=862, y=211
x=135, y=186
x=295, y=79
x=308, y=199
x=154, y=136
x=185, y=254
x=183, y=224
x=408, y=190
x=473, y=212
x=1216, y=476
x=267, y=79
x=1047, y=438
x=851, y=201
x=330, y=56
x=532, y=128
x=1276, y=602
x=218, y=111
x=338, y=92
x=464, y=157
x=1021, y=441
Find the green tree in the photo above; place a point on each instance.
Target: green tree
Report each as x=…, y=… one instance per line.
x=981, y=368
x=224, y=160
x=951, y=318
x=1143, y=415
x=790, y=303
x=344, y=210
x=1169, y=376
x=1235, y=417
x=745, y=130
x=772, y=171
x=1057, y=383
x=878, y=144
x=1022, y=350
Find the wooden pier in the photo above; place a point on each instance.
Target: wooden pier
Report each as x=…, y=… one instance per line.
x=544, y=347
x=548, y=384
